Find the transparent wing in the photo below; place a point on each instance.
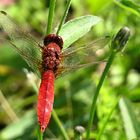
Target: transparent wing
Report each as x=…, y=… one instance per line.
x=74, y=58
x=21, y=41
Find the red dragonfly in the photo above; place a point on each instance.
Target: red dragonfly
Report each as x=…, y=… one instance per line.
x=49, y=60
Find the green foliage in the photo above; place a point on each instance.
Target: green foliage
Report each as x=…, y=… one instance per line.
x=131, y=124
x=20, y=127
x=76, y=28
x=130, y=6
x=74, y=92
x=96, y=6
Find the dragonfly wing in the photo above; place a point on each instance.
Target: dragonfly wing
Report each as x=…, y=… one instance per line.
x=33, y=60
x=13, y=30
x=63, y=70
x=86, y=54
x=74, y=58
x=21, y=41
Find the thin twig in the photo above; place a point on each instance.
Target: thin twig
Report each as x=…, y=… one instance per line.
x=93, y=106
x=8, y=109
x=50, y=16
x=64, y=16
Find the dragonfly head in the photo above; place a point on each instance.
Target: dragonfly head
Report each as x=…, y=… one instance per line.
x=53, y=38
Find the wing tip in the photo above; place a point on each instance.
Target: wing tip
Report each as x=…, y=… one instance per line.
x=3, y=12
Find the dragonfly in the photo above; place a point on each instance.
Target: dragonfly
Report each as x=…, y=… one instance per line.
x=48, y=59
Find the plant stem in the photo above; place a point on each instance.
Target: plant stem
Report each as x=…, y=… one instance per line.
x=64, y=16
x=126, y=8
x=50, y=16
x=107, y=119
x=7, y=108
x=93, y=106
x=60, y=125
x=40, y=134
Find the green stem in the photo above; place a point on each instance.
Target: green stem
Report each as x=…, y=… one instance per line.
x=50, y=16
x=77, y=137
x=93, y=106
x=40, y=134
x=8, y=108
x=64, y=16
x=107, y=119
x=126, y=8
x=60, y=125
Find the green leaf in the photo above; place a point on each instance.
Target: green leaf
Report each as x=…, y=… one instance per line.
x=10, y=58
x=76, y=28
x=97, y=5
x=135, y=95
x=18, y=128
x=129, y=5
x=131, y=125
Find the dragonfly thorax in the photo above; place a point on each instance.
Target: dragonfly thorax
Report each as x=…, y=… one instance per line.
x=51, y=56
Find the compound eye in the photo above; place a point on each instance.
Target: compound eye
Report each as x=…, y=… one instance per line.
x=53, y=38
x=59, y=41
x=48, y=39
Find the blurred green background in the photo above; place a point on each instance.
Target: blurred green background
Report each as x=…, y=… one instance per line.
x=74, y=92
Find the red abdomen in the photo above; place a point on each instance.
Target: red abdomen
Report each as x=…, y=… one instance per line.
x=45, y=99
